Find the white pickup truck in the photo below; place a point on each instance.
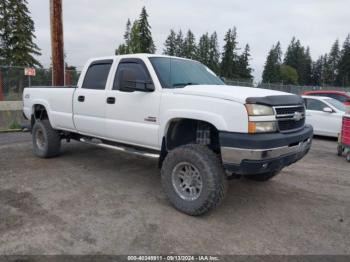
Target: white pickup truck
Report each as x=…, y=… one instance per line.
x=179, y=111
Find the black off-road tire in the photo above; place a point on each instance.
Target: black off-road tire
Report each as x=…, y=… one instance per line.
x=49, y=143
x=262, y=177
x=208, y=165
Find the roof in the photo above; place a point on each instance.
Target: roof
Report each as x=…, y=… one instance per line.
x=139, y=55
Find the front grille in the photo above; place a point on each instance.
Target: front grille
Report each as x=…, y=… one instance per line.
x=289, y=110
x=290, y=118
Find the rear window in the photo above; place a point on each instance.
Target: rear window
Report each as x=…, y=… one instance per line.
x=97, y=74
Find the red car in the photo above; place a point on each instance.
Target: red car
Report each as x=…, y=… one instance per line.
x=341, y=96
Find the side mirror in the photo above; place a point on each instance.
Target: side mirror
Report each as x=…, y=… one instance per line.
x=328, y=110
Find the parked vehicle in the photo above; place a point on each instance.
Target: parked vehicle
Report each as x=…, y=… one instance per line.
x=179, y=111
x=324, y=114
x=344, y=138
x=343, y=97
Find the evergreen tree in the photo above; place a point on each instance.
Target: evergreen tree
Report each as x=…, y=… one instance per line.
x=145, y=36
x=190, y=48
x=299, y=58
x=135, y=42
x=344, y=64
x=272, y=73
x=228, y=67
x=244, y=70
x=203, y=49
x=17, y=34
x=127, y=34
x=333, y=60
x=179, y=44
x=317, y=71
x=4, y=32
x=170, y=45
x=214, y=54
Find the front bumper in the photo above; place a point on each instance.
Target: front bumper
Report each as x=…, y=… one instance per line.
x=260, y=153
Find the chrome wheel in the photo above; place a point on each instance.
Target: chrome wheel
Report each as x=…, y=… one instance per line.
x=187, y=181
x=40, y=139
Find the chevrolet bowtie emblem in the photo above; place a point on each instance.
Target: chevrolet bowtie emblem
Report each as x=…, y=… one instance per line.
x=298, y=116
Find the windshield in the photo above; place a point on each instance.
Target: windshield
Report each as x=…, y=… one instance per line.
x=177, y=73
x=338, y=105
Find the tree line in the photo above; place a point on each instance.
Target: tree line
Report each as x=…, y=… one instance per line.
x=227, y=63
x=297, y=67
x=18, y=48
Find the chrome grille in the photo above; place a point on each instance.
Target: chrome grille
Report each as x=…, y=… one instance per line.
x=290, y=118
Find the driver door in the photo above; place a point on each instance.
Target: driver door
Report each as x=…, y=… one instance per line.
x=132, y=113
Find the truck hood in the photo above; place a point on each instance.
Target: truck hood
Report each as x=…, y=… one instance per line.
x=234, y=93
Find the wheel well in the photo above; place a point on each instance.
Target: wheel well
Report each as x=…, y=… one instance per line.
x=39, y=112
x=190, y=131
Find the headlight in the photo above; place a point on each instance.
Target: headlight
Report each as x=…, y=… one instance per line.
x=262, y=127
x=259, y=110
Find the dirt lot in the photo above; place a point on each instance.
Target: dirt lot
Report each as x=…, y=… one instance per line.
x=92, y=200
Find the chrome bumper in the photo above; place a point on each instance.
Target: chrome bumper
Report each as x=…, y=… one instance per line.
x=235, y=156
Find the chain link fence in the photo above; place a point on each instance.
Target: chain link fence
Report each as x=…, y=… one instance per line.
x=13, y=80
x=298, y=90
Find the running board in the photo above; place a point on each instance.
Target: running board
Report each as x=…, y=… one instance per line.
x=120, y=148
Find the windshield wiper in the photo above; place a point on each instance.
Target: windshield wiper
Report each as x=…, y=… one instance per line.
x=184, y=84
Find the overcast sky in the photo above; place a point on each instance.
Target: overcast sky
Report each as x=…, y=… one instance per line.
x=95, y=28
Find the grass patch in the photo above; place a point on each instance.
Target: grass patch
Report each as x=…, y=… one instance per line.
x=14, y=125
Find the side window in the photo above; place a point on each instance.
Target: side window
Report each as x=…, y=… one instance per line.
x=316, y=105
x=131, y=74
x=97, y=74
x=341, y=98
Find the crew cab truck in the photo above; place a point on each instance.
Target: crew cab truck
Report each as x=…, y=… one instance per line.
x=201, y=130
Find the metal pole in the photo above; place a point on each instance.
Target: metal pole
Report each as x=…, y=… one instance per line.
x=57, y=43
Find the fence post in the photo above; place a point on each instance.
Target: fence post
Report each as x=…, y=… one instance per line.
x=1, y=87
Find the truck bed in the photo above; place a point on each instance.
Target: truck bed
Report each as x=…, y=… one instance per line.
x=58, y=101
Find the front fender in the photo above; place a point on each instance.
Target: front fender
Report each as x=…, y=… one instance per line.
x=216, y=120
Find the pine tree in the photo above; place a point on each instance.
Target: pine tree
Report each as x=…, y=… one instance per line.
x=272, y=73
x=169, y=45
x=317, y=71
x=214, y=54
x=228, y=67
x=4, y=32
x=190, y=48
x=299, y=58
x=203, y=49
x=344, y=64
x=135, y=45
x=179, y=44
x=17, y=34
x=244, y=70
x=145, y=35
x=127, y=34
x=333, y=60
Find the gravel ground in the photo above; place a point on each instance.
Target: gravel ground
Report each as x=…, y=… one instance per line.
x=97, y=201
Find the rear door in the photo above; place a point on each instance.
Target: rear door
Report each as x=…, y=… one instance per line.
x=89, y=100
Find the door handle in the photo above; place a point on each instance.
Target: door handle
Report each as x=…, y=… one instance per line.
x=110, y=100
x=81, y=98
